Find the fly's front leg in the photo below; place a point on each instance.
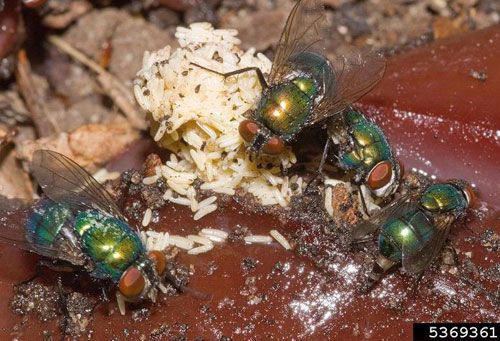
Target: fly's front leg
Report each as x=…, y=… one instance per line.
x=64, y=309
x=53, y=265
x=260, y=75
x=364, y=207
x=416, y=284
x=319, y=172
x=104, y=300
x=324, y=156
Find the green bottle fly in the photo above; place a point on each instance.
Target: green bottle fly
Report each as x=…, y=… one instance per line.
x=77, y=222
x=414, y=228
x=304, y=87
x=362, y=147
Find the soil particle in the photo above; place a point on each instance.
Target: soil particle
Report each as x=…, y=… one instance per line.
x=204, y=12
x=163, y=18
x=449, y=256
x=211, y=268
x=254, y=28
x=129, y=37
x=47, y=303
x=69, y=80
x=160, y=332
x=141, y=314
x=152, y=195
x=79, y=309
x=248, y=264
x=180, y=274
x=43, y=301
x=238, y=234
x=490, y=240
x=479, y=75
x=12, y=108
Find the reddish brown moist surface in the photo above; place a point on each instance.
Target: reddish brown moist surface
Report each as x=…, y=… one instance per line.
x=264, y=290
x=9, y=21
x=442, y=119
x=261, y=291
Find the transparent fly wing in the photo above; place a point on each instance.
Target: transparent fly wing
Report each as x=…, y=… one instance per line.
x=356, y=74
x=64, y=181
x=15, y=233
x=417, y=260
x=338, y=131
x=395, y=208
x=304, y=30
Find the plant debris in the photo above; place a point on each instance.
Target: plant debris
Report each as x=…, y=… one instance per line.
x=67, y=71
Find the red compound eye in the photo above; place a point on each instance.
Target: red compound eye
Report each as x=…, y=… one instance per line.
x=131, y=283
x=274, y=146
x=248, y=129
x=401, y=169
x=380, y=175
x=471, y=195
x=33, y=3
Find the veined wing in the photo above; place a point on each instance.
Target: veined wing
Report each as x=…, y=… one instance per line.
x=356, y=74
x=303, y=31
x=416, y=260
x=395, y=208
x=64, y=181
x=17, y=234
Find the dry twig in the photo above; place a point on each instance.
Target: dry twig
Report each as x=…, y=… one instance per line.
x=34, y=99
x=120, y=95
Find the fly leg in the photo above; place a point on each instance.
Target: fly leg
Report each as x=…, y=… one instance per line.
x=324, y=156
x=104, y=300
x=182, y=288
x=362, y=199
x=416, y=284
x=319, y=171
x=260, y=75
x=64, y=309
x=53, y=265
x=104, y=295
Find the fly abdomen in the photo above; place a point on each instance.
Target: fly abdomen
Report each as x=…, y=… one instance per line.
x=110, y=242
x=316, y=67
x=409, y=232
x=46, y=223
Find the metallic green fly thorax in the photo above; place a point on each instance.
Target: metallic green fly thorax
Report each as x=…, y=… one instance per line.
x=284, y=109
x=316, y=67
x=307, y=86
x=443, y=198
x=369, y=144
x=110, y=242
